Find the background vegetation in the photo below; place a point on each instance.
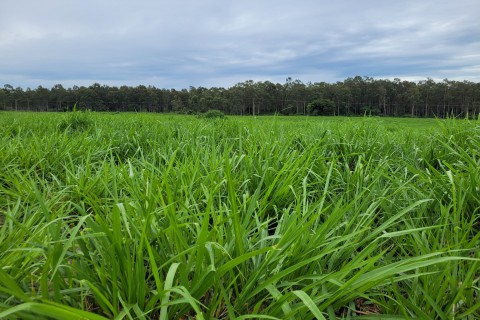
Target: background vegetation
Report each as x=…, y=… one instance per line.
x=136, y=216
x=353, y=96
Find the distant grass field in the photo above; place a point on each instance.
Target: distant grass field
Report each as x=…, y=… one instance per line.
x=146, y=216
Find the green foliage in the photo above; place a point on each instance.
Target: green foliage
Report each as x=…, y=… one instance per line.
x=321, y=107
x=77, y=121
x=12, y=129
x=170, y=217
x=288, y=110
x=370, y=111
x=213, y=114
x=425, y=98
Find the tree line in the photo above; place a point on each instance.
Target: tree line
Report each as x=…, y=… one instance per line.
x=353, y=96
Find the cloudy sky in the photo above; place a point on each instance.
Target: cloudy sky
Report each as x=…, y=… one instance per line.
x=182, y=43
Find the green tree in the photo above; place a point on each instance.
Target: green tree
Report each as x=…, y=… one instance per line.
x=321, y=107
x=42, y=98
x=59, y=94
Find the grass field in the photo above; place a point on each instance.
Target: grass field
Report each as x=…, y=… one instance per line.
x=143, y=216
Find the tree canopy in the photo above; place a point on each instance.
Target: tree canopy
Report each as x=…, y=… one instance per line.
x=353, y=96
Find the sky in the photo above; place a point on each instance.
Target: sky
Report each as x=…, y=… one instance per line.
x=213, y=43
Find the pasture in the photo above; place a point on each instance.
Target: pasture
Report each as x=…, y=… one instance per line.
x=148, y=216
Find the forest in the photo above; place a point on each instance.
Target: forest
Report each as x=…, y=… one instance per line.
x=353, y=96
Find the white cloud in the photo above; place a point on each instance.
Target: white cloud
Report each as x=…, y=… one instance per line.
x=183, y=43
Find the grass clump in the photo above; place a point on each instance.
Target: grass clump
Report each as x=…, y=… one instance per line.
x=76, y=121
x=213, y=114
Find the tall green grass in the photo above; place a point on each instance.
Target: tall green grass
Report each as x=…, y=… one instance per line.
x=174, y=217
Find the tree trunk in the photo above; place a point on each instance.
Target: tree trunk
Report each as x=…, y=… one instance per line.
x=384, y=105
